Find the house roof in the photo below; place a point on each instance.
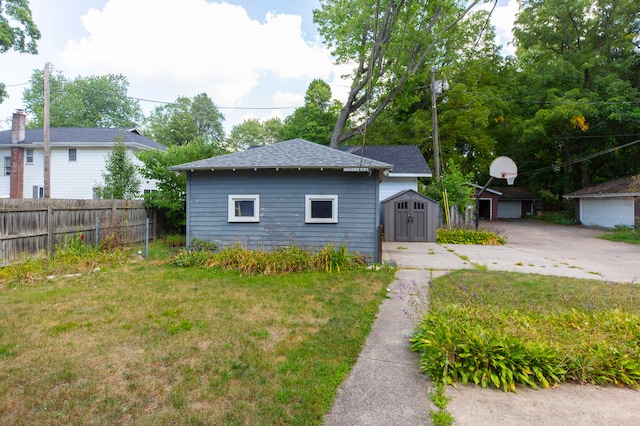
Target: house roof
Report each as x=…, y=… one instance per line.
x=514, y=193
x=623, y=187
x=77, y=136
x=410, y=193
x=291, y=154
x=406, y=159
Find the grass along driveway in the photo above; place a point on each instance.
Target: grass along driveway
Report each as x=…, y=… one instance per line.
x=152, y=344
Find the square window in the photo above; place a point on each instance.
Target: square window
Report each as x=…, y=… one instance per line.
x=244, y=208
x=7, y=166
x=29, y=157
x=72, y=154
x=321, y=208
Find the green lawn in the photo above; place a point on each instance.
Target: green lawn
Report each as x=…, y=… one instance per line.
x=146, y=343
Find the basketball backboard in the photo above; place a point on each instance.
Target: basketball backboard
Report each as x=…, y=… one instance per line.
x=504, y=168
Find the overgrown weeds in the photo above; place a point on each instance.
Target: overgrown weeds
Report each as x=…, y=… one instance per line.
x=506, y=329
x=624, y=234
x=72, y=255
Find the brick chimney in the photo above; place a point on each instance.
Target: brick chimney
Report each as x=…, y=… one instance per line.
x=18, y=124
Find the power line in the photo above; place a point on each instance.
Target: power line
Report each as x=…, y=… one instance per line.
x=581, y=159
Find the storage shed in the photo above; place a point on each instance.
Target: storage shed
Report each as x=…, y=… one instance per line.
x=411, y=217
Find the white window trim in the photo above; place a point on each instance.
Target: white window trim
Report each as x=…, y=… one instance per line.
x=26, y=156
x=232, y=208
x=6, y=166
x=307, y=209
x=75, y=154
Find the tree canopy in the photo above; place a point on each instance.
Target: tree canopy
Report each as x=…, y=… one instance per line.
x=388, y=43
x=95, y=101
x=121, y=181
x=253, y=132
x=315, y=120
x=186, y=120
x=18, y=31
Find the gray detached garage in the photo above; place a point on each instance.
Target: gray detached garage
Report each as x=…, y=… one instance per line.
x=608, y=204
x=411, y=217
x=293, y=192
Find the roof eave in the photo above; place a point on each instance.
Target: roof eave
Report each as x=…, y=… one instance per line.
x=410, y=175
x=605, y=195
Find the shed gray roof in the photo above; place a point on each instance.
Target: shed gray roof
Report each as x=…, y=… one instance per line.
x=406, y=159
x=77, y=136
x=626, y=186
x=291, y=154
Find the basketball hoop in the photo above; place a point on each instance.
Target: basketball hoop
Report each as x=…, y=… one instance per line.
x=510, y=178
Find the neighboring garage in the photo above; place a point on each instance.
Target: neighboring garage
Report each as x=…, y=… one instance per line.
x=608, y=204
x=505, y=202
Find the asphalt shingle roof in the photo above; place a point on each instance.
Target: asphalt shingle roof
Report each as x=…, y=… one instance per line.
x=406, y=159
x=291, y=154
x=625, y=185
x=81, y=136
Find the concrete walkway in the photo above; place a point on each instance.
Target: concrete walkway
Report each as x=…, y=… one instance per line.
x=385, y=387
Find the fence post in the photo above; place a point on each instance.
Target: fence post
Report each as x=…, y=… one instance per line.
x=97, y=231
x=50, y=229
x=146, y=240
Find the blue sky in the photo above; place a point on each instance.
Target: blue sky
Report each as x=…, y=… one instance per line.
x=254, y=58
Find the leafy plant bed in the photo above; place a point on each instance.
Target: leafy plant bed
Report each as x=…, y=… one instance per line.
x=469, y=236
x=501, y=329
x=148, y=343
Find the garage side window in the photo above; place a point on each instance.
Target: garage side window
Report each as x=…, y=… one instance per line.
x=244, y=208
x=321, y=208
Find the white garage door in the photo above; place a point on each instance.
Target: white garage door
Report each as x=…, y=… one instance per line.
x=606, y=212
x=509, y=210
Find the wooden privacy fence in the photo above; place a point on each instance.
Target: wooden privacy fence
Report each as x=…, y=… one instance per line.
x=29, y=226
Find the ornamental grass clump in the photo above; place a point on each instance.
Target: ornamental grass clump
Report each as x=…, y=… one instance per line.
x=283, y=260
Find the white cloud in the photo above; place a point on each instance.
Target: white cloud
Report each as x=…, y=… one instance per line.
x=194, y=45
x=502, y=19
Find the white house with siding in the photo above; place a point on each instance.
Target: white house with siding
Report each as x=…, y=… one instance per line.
x=77, y=160
x=408, y=165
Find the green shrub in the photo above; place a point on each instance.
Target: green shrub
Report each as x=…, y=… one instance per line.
x=624, y=234
x=174, y=240
x=468, y=236
x=566, y=217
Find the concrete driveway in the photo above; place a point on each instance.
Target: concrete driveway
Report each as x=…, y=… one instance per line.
x=532, y=247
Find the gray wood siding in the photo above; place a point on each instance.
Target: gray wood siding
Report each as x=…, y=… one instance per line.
x=282, y=209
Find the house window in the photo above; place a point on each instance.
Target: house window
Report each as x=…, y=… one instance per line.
x=7, y=166
x=244, y=208
x=29, y=157
x=321, y=208
x=72, y=154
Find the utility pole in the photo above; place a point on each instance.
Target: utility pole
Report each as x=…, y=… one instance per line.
x=437, y=88
x=46, y=137
x=434, y=117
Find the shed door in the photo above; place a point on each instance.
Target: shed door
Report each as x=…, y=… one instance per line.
x=606, y=212
x=411, y=220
